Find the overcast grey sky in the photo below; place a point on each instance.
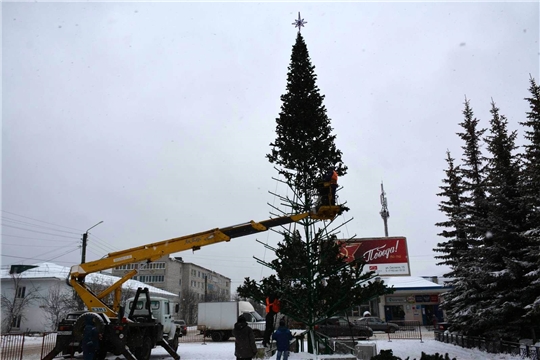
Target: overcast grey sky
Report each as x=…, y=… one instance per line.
x=156, y=117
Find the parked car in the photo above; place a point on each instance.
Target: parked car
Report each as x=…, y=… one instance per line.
x=337, y=326
x=377, y=324
x=442, y=326
x=65, y=328
x=183, y=326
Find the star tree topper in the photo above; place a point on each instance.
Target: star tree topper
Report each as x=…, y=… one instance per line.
x=299, y=23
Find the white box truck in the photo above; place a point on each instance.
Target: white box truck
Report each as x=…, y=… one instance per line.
x=217, y=319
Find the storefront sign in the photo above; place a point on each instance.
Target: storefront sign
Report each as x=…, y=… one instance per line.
x=395, y=299
x=426, y=298
x=386, y=256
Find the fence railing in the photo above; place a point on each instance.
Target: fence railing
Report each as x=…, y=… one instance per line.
x=48, y=343
x=12, y=346
x=408, y=329
x=21, y=346
x=491, y=346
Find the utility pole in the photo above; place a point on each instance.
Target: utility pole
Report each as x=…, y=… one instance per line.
x=84, y=242
x=384, y=211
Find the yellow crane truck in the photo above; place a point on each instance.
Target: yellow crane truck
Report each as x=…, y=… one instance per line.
x=134, y=336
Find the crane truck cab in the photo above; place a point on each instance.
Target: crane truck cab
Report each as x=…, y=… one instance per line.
x=162, y=311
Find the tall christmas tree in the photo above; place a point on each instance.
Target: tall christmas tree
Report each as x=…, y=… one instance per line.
x=312, y=278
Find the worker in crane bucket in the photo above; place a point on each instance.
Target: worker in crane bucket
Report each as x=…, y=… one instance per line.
x=328, y=187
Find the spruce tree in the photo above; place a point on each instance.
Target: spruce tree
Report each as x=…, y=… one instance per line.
x=501, y=269
x=473, y=173
x=454, y=227
x=456, y=250
x=531, y=186
x=460, y=303
x=531, y=156
x=313, y=280
x=305, y=146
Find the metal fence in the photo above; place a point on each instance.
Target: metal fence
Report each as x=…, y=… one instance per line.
x=491, y=346
x=48, y=343
x=193, y=335
x=408, y=329
x=20, y=346
x=12, y=346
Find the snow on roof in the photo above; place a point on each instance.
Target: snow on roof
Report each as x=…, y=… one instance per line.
x=50, y=270
x=410, y=282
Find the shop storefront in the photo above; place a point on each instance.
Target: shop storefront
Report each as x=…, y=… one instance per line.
x=414, y=298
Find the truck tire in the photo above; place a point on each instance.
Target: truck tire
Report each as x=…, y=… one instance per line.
x=217, y=336
x=99, y=320
x=143, y=352
x=257, y=334
x=174, y=343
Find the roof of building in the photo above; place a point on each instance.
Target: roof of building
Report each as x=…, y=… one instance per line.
x=48, y=270
x=410, y=283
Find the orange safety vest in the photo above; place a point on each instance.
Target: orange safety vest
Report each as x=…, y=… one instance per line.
x=333, y=180
x=274, y=306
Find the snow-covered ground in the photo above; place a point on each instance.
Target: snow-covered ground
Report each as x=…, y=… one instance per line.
x=401, y=348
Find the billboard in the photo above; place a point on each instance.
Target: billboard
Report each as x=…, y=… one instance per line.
x=386, y=256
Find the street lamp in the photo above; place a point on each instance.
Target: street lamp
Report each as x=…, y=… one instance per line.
x=84, y=238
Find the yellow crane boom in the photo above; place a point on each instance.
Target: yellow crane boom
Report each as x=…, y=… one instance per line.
x=154, y=251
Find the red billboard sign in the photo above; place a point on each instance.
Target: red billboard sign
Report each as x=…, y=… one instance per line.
x=386, y=256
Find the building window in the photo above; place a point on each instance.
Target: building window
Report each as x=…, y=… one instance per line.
x=21, y=291
x=16, y=323
x=151, y=278
x=154, y=265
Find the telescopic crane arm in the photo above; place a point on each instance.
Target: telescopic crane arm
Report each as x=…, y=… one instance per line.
x=154, y=251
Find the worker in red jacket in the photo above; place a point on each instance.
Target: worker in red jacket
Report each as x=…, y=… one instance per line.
x=332, y=177
x=272, y=308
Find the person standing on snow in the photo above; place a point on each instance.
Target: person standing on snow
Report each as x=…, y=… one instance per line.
x=90, y=340
x=272, y=308
x=244, y=340
x=283, y=337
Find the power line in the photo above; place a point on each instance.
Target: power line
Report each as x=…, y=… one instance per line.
x=33, y=259
x=46, y=260
x=29, y=238
x=35, y=231
x=104, y=243
x=36, y=225
x=99, y=247
x=26, y=217
x=27, y=245
x=68, y=252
